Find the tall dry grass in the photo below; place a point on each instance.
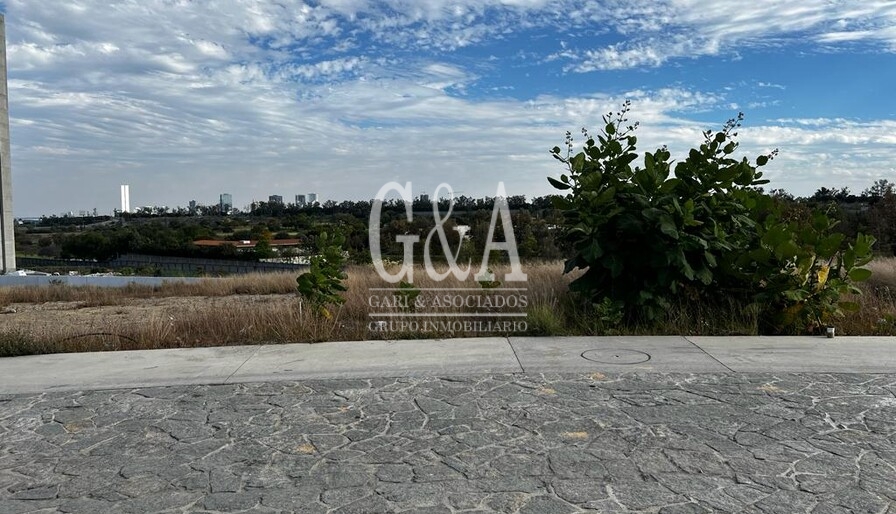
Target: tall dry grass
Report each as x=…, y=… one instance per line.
x=550, y=310
x=205, y=323
x=253, y=283
x=877, y=312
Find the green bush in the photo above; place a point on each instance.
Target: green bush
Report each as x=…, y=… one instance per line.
x=642, y=236
x=800, y=270
x=322, y=284
x=649, y=237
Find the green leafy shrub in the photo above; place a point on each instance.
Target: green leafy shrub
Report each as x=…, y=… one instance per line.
x=800, y=271
x=645, y=237
x=649, y=236
x=322, y=284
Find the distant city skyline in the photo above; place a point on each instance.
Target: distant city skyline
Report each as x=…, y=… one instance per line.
x=225, y=202
x=183, y=101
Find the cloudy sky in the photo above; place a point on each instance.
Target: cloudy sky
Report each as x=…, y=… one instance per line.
x=187, y=99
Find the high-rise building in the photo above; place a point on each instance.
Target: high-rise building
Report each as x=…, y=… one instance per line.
x=225, y=203
x=275, y=199
x=192, y=206
x=312, y=198
x=125, y=198
x=7, y=231
x=300, y=200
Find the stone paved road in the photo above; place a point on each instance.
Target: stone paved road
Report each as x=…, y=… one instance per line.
x=507, y=443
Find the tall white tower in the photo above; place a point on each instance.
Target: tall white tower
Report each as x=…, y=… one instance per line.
x=125, y=198
x=7, y=230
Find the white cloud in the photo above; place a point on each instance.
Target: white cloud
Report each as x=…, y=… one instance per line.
x=256, y=98
x=675, y=29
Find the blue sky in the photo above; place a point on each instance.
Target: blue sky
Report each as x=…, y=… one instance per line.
x=185, y=100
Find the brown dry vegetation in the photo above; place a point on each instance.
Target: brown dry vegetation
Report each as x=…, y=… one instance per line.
x=263, y=308
x=252, y=284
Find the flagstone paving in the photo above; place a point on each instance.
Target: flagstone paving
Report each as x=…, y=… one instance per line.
x=554, y=443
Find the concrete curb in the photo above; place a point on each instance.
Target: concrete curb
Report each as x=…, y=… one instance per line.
x=371, y=359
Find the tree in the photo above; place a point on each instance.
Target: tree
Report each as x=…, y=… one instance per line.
x=263, y=249
x=880, y=189
x=882, y=221
x=824, y=194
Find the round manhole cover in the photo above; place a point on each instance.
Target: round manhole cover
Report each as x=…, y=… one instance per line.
x=611, y=356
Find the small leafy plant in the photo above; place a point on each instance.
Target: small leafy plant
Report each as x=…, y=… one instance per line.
x=408, y=294
x=487, y=280
x=321, y=286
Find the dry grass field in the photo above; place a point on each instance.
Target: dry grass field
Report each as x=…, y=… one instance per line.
x=264, y=308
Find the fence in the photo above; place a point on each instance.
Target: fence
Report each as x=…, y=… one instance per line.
x=40, y=262
x=175, y=265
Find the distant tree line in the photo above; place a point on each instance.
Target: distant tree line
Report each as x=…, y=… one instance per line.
x=174, y=233
x=535, y=223
x=872, y=212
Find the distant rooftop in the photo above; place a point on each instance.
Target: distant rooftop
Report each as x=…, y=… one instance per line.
x=246, y=243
